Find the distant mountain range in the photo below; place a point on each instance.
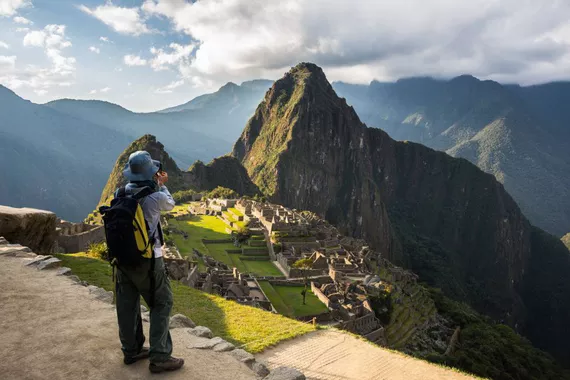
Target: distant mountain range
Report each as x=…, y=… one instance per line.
x=58, y=156
x=519, y=134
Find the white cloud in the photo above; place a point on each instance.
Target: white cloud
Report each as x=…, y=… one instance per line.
x=60, y=72
x=134, y=60
x=179, y=55
x=40, y=92
x=100, y=91
x=22, y=20
x=35, y=38
x=7, y=63
x=104, y=39
x=524, y=41
x=22, y=30
x=94, y=49
x=4, y=45
x=121, y=19
x=10, y=7
x=168, y=88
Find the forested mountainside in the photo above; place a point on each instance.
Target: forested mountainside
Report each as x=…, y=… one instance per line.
x=518, y=134
x=443, y=217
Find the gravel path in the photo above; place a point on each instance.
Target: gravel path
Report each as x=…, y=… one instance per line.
x=51, y=328
x=332, y=355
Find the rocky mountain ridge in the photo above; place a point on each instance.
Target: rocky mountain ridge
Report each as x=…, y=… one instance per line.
x=440, y=216
x=515, y=133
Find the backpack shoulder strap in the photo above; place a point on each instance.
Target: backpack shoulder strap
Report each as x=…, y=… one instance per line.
x=145, y=191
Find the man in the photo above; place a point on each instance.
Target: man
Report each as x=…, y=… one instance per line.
x=142, y=171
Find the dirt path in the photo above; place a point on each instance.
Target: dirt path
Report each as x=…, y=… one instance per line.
x=332, y=355
x=51, y=328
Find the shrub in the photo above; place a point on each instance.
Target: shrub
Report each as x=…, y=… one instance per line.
x=98, y=250
x=183, y=196
x=222, y=192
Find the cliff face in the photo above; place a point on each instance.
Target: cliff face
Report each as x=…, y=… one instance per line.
x=442, y=217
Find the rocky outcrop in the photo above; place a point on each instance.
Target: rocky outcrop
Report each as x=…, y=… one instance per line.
x=157, y=152
x=224, y=171
x=444, y=218
x=566, y=240
x=181, y=321
x=30, y=227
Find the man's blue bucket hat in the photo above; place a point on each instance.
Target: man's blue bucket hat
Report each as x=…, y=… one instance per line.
x=141, y=167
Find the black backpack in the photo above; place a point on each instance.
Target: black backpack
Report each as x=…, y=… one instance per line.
x=126, y=229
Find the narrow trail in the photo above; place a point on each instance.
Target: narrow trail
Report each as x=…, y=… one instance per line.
x=51, y=328
x=333, y=355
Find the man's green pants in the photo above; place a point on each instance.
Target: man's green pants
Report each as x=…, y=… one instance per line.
x=132, y=283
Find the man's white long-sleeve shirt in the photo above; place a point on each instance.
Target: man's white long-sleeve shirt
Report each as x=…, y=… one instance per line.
x=152, y=205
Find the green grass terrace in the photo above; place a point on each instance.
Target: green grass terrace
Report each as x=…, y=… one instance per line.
x=288, y=300
x=200, y=228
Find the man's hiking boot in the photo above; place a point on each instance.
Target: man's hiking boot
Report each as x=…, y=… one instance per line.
x=141, y=355
x=172, y=364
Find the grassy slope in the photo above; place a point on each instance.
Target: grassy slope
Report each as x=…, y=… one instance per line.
x=210, y=227
x=254, y=328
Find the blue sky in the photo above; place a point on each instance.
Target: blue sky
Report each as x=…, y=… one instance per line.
x=151, y=54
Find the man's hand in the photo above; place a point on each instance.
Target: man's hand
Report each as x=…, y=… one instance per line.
x=162, y=178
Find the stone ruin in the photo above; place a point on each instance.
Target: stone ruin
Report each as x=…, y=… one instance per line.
x=76, y=237
x=228, y=283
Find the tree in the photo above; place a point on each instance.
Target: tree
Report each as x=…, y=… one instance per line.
x=304, y=265
x=222, y=192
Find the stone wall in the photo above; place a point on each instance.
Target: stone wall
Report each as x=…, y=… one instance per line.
x=29, y=227
x=81, y=241
x=320, y=295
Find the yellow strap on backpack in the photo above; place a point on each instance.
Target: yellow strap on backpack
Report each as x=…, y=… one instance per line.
x=141, y=234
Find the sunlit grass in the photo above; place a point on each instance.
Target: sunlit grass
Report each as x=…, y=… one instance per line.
x=254, y=328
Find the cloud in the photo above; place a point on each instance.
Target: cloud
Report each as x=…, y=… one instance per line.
x=101, y=91
x=94, y=49
x=179, y=55
x=516, y=40
x=22, y=30
x=40, y=92
x=10, y=7
x=121, y=19
x=168, y=88
x=4, y=45
x=22, y=20
x=134, y=60
x=104, y=39
x=7, y=62
x=61, y=70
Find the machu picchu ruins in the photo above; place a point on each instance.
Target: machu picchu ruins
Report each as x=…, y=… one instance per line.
x=361, y=291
